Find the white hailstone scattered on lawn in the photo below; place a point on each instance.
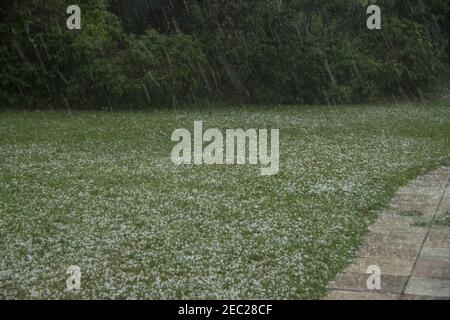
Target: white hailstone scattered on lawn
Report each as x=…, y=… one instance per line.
x=112, y=202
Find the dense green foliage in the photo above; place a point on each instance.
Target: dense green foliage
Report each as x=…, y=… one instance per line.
x=158, y=52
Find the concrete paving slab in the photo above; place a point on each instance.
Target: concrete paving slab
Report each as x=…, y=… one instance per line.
x=407, y=250
x=435, y=254
x=413, y=190
x=438, y=238
x=428, y=287
x=426, y=205
x=358, y=282
x=356, y=295
x=432, y=269
x=396, y=223
x=388, y=265
x=394, y=237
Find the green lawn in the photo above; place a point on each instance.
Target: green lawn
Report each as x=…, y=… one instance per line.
x=98, y=190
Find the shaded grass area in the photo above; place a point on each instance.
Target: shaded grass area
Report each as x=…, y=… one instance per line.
x=99, y=190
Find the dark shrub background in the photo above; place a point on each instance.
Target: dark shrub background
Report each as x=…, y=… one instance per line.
x=158, y=53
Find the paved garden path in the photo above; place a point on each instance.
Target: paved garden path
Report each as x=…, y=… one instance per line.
x=408, y=244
